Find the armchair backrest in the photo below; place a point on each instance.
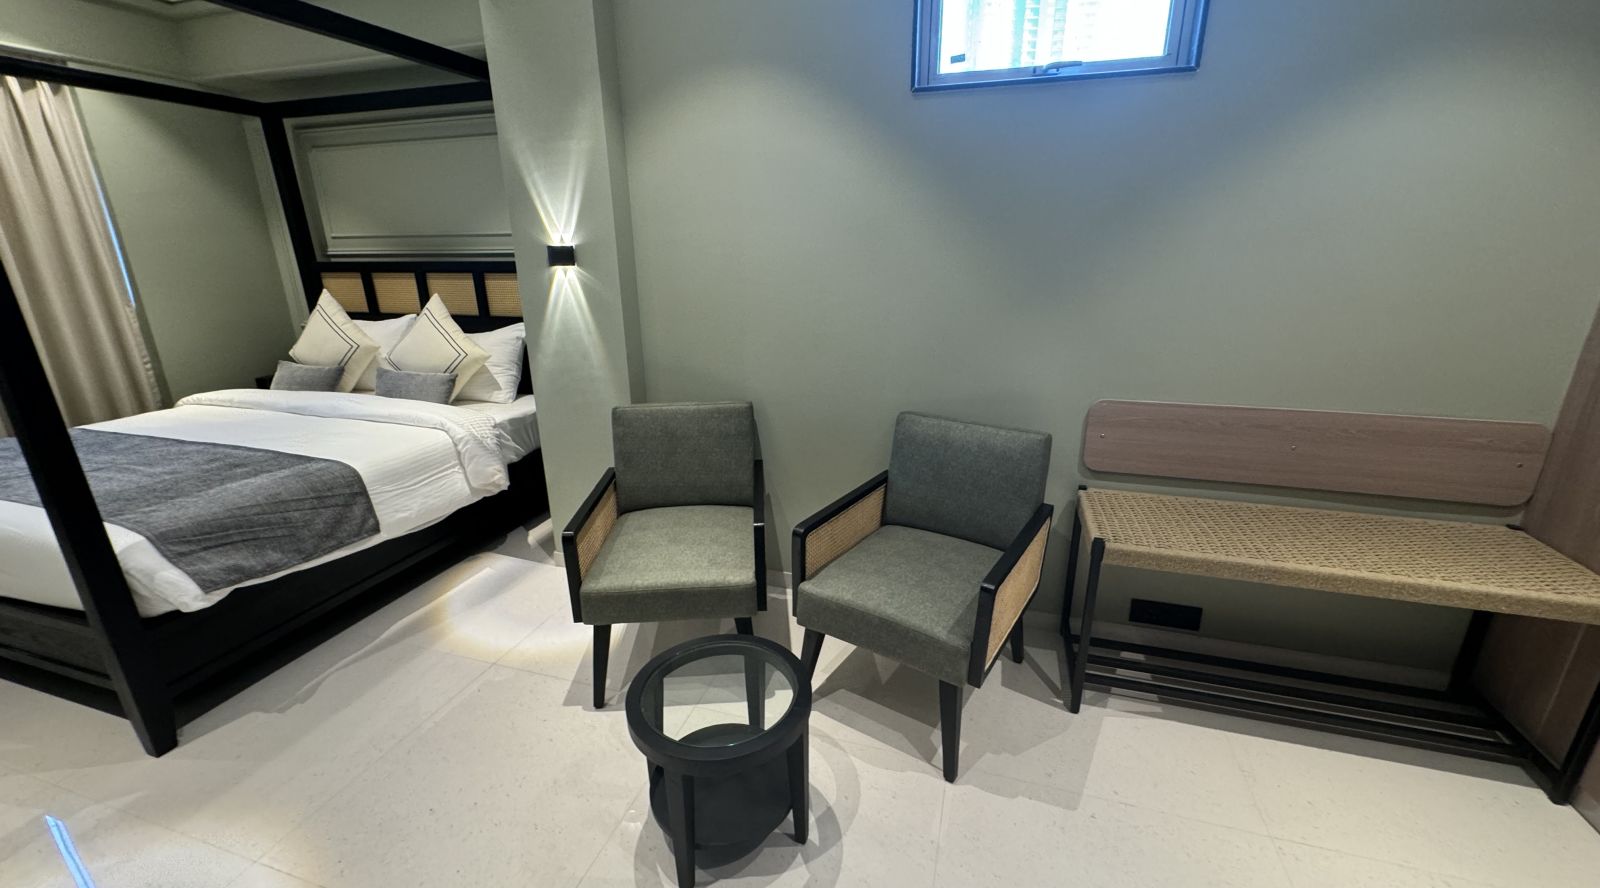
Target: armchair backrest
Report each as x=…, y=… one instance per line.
x=684, y=454
x=977, y=482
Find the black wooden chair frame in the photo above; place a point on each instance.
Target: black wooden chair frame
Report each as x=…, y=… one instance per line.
x=950, y=695
x=575, y=568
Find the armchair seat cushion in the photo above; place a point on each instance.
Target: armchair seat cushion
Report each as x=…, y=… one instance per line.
x=673, y=563
x=905, y=593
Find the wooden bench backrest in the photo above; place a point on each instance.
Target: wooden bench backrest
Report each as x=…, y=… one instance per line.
x=1423, y=457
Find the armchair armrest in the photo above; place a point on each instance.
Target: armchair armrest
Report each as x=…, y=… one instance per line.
x=758, y=509
x=836, y=529
x=586, y=533
x=1006, y=591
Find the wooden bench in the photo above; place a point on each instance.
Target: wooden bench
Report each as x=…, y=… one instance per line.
x=1487, y=568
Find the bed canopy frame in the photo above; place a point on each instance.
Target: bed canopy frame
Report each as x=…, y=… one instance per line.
x=162, y=671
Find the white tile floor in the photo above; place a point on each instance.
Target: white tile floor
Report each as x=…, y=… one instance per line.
x=448, y=741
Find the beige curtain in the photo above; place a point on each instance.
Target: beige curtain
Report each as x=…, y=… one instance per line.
x=57, y=243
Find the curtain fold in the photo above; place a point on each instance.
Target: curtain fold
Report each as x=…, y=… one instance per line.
x=58, y=246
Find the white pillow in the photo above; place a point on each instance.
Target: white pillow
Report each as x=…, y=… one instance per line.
x=332, y=339
x=436, y=344
x=387, y=334
x=497, y=382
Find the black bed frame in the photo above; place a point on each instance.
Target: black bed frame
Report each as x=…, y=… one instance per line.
x=164, y=671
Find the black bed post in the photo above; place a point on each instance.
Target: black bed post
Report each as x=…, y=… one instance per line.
x=64, y=492
x=293, y=203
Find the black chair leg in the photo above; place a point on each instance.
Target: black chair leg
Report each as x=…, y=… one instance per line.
x=811, y=650
x=602, y=654
x=950, y=725
x=1016, y=642
x=744, y=625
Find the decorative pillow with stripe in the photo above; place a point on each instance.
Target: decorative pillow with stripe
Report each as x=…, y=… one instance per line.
x=436, y=344
x=332, y=339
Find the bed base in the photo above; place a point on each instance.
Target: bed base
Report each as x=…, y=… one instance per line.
x=203, y=658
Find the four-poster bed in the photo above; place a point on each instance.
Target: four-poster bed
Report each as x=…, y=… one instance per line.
x=163, y=671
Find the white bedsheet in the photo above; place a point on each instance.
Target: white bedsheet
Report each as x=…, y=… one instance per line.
x=420, y=463
x=518, y=422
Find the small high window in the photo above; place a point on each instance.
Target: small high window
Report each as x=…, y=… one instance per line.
x=988, y=42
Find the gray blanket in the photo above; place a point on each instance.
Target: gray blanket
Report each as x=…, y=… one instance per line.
x=222, y=514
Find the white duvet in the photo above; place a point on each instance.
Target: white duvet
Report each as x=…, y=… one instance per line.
x=420, y=462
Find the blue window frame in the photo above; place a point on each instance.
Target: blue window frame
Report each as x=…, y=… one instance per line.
x=966, y=43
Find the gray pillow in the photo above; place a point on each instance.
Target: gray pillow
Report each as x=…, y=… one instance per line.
x=435, y=387
x=293, y=377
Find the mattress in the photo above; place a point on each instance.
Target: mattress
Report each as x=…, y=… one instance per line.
x=420, y=463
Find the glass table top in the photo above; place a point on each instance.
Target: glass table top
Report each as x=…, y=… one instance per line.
x=720, y=696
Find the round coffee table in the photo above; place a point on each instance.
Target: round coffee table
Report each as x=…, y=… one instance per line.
x=722, y=725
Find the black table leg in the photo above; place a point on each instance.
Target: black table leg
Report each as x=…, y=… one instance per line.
x=800, y=785
x=680, y=810
x=755, y=691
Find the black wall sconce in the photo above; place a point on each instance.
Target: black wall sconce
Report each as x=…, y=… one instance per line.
x=562, y=255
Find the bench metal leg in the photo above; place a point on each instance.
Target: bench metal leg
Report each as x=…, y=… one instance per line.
x=1080, y=665
x=1066, y=599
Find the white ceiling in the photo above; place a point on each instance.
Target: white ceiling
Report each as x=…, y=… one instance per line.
x=171, y=9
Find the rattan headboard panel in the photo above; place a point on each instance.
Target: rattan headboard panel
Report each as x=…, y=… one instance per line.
x=396, y=291
x=457, y=291
x=346, y=288
x=505, y=296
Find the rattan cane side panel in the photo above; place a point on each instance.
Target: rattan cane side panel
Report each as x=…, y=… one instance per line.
x=1014, y=594
x=594, y=532
x=840, y=533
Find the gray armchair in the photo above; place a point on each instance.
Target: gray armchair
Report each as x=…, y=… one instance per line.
x=676, y=529
x=934, y=561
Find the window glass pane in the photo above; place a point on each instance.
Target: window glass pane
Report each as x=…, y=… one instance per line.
x=986, y=35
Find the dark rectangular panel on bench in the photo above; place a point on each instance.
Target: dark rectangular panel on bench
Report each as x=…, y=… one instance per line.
x=1423, y=457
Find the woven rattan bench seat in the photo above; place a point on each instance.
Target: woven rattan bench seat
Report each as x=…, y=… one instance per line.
x=1456, y=564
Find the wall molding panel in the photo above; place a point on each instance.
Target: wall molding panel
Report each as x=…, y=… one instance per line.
x=413, y=187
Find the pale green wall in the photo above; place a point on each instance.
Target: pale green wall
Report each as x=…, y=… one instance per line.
x=184, y=195
x=1363, y=205
x=560, y=143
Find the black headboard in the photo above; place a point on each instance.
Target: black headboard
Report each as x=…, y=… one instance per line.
x=482, y=295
